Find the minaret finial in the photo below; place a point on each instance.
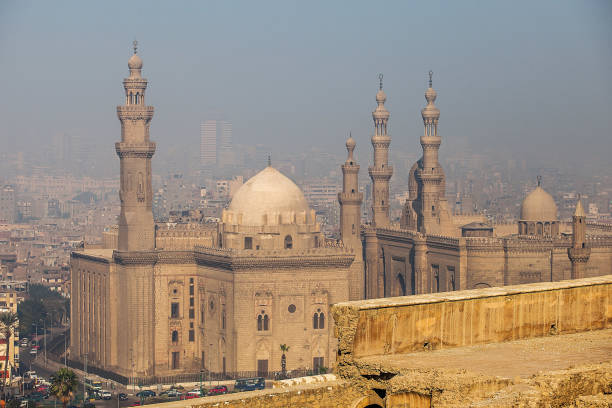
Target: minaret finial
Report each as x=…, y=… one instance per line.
x=380, y=78
x=539, y=181
x=430, y=76
x=269, y=160
x=135, y=44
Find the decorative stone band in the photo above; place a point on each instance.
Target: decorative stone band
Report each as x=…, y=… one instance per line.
x=350, y=198
x=433, y=141
x=380, y=173
x=136, y=257
x=144, y=150
x=90, y=257
x=338, y=257
x=350, y=168
x=579, y=254
x=135, y=112
x=135, y=83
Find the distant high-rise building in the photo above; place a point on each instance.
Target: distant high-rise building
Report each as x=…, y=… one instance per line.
x=8, y=205
x=208, y=143
x=225, y=153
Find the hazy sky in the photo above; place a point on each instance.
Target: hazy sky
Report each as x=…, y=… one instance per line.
x=515, y=75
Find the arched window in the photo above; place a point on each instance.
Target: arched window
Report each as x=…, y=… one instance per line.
x=318, y=320
x=174, y=336
x=288, y=242
x=131, y=98
x=263, y=321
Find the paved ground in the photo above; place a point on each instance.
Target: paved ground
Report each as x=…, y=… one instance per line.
x=517, y=358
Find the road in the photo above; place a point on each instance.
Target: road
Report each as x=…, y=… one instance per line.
x=37, y=363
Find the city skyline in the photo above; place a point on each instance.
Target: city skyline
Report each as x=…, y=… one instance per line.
x=292, y=86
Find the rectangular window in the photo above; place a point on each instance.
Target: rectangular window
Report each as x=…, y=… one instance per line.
x=202, y=310
x=262, y=368
x=317, y=364
x=435, y=271
x=248, y=244
x=191, y=335
x=192, y=313
x=176, y=356
x=191, y=290
x=190, y=302
x=174, y=310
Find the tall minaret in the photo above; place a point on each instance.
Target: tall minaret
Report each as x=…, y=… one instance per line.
x=380, y=172
x=350, y=201
x=579, y=253
x=350, y=220
x=430, y=175
x=136, y=226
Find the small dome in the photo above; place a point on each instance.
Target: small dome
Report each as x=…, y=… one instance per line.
x=350, y=143
x=538, y=206
x=268, y=192
x=381, y=97
x=135, y=62
x=430, y=95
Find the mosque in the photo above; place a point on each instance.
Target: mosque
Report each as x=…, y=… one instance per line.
x=161, y=300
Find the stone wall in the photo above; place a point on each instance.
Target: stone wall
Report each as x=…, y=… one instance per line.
x=454, y=319
x=338, y=394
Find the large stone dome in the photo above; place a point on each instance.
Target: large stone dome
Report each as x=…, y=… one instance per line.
x=268, y=194
x=538, y=206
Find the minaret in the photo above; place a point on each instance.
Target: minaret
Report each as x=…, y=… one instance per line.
x=429, y=174
x=578, y=254
x=350, y=219
x=350, y=201
x=136, y=226
x=380, y=172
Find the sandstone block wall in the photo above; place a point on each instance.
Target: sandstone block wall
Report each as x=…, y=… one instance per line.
x=463, y=318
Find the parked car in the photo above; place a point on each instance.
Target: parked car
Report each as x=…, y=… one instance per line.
x=33, y=352
x=218, y=390
x=195, y=392
x=122, y=396
x=146, y=393
x=250, y=384
x=106, y=395
x=171, y=393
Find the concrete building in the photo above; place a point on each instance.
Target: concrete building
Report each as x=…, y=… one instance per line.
x=9, y=299
x=208, y=143
x=8, y=205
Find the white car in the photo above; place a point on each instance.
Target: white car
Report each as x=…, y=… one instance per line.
x=195, y=393
x=106, y=395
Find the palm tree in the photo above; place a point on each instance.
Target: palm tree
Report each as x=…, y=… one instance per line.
x=63, y=384
x=284, y=348
x=8, y=323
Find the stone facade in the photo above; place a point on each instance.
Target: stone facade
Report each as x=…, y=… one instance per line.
x=432, y=250
x=177, y=298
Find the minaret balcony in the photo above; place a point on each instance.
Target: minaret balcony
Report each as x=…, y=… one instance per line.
x=350, y=198
x=135, y=112
x=380, y=172
x=144, y=150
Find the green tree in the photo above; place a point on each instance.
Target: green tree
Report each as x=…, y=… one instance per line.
x=30, y=311
x=8, y=323
x=63, y=385
x=284, y=348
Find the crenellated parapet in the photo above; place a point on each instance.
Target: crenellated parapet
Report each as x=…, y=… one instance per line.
x=235, y=259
